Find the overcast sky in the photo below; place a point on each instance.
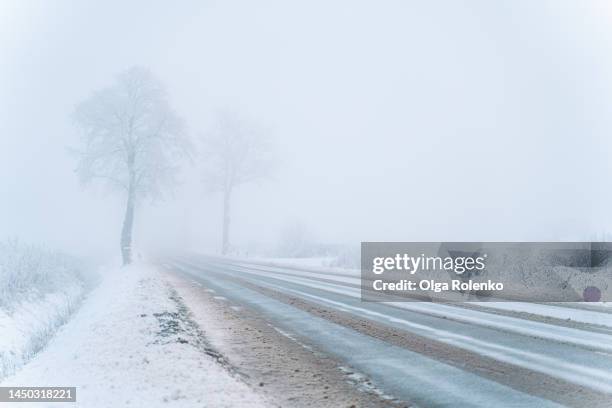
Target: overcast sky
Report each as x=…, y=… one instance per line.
x=394, y=120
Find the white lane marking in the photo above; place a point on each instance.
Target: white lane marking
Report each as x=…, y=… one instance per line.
x=292, y=338
x=595, y=378
x=561, y=334
x=558, y=312
x=321, y=275
x=565, y=311
x=294, y=268
x=590, y=377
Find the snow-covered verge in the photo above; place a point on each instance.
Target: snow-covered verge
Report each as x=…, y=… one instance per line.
x=133, y=343
x=39, y=289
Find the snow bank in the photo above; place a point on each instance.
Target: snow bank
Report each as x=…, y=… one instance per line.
x=39, y=289
x=133, y=343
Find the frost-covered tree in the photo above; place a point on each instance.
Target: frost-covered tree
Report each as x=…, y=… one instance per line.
x=131, y=140
x=234, y=152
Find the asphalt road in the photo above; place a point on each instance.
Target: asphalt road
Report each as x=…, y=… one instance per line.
x=429, y=354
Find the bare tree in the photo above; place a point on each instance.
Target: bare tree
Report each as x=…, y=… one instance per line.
x=234, y=152
x=132, y=140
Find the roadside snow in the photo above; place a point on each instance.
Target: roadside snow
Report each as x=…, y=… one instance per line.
x=131, y=345
x=39, y=289
x=565, y=312
x=29, y=325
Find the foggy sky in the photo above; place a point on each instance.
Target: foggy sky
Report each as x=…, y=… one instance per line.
x=394, y=120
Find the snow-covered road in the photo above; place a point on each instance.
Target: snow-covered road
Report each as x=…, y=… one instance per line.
x=430, y=354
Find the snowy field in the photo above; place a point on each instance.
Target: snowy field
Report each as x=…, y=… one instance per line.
x=39, y=289
x=133, y=344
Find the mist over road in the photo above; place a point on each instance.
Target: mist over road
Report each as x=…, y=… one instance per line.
x=429, y=354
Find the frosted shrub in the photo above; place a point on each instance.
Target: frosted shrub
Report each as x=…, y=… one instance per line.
x=39, y=290
x=30, y=271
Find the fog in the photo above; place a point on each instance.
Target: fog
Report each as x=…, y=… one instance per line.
x=392, y=120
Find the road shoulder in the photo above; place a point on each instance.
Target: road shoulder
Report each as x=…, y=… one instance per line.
x=279, y=366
